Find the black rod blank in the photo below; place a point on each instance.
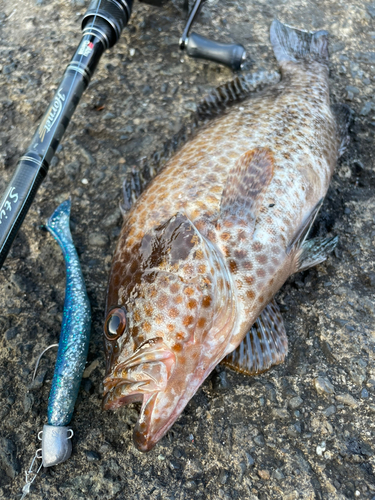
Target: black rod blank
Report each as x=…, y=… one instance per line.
x=102, y=26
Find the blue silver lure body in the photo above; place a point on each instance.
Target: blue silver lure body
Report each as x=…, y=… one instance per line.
x=73, y=345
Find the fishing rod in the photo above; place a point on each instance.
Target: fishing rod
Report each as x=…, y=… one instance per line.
x=101, y=29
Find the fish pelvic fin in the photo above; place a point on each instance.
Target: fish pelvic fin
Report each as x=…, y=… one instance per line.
x=246, y=185
x=294, y=45
x=265, y=344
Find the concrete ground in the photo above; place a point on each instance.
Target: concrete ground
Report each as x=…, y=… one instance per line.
x=303, y=430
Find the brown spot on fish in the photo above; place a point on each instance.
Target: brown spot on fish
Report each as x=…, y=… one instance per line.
x=206, y=302
x=177, y=347
x=146, y=327
x=159, y=319
x=201, y=322
x=275, y=261
x=199, y=255
x=249, y=278
x=188, y=320
x=262, y=259
x=173, y=312
x=192, y=304
x=202, y=269
x=233, y=266
x=148, y=309
x=257, y=247
x=240, y=254
x=162, y=301
x=260, y=272
x=137, y=316
x=248, y=265
x=174, y=288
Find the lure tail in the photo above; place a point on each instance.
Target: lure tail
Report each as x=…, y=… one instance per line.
x=59, y=224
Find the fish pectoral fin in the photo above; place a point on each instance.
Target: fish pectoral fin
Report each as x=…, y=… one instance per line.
x=314, y=251
x=266, y=344
x=246, y=185
x=302, y=233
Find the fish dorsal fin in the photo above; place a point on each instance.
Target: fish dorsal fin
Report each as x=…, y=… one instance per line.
x=140, y=174
x=246, y=185
x=266, y=344
x=314, y=251
x=302, y=233
x=234, y=91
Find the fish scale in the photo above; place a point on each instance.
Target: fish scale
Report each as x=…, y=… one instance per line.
x=215, y=235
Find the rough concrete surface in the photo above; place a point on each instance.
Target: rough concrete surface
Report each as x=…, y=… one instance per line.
x=303, y=430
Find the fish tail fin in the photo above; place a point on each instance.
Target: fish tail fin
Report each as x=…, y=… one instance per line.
x=291, y=44
x=59, y=222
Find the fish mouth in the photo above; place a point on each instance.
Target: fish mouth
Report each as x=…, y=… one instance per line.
x=140, y=378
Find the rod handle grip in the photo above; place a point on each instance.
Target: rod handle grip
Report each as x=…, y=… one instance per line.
x=229, y=54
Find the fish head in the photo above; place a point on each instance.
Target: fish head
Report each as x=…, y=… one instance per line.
x=170, y=326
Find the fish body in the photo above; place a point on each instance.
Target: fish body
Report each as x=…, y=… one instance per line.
x=213, y=238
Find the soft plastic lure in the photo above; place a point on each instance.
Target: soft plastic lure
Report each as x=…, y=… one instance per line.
x=72, y=351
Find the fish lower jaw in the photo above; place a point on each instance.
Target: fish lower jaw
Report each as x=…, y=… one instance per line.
x=117, y=397
x=159, y=412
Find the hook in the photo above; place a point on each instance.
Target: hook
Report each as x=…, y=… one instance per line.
x=37, y=362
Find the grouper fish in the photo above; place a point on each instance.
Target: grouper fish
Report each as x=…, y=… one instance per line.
x=214, y=236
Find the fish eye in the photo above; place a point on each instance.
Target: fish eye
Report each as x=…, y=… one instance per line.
x=115, y=323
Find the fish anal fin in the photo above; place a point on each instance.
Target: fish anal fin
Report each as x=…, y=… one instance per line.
x=246, y=185
x=302, y=233
x=265, y=345
x=314, y=251
x=344, y=117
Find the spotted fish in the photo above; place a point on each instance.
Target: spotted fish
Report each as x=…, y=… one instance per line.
x=215, y=235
